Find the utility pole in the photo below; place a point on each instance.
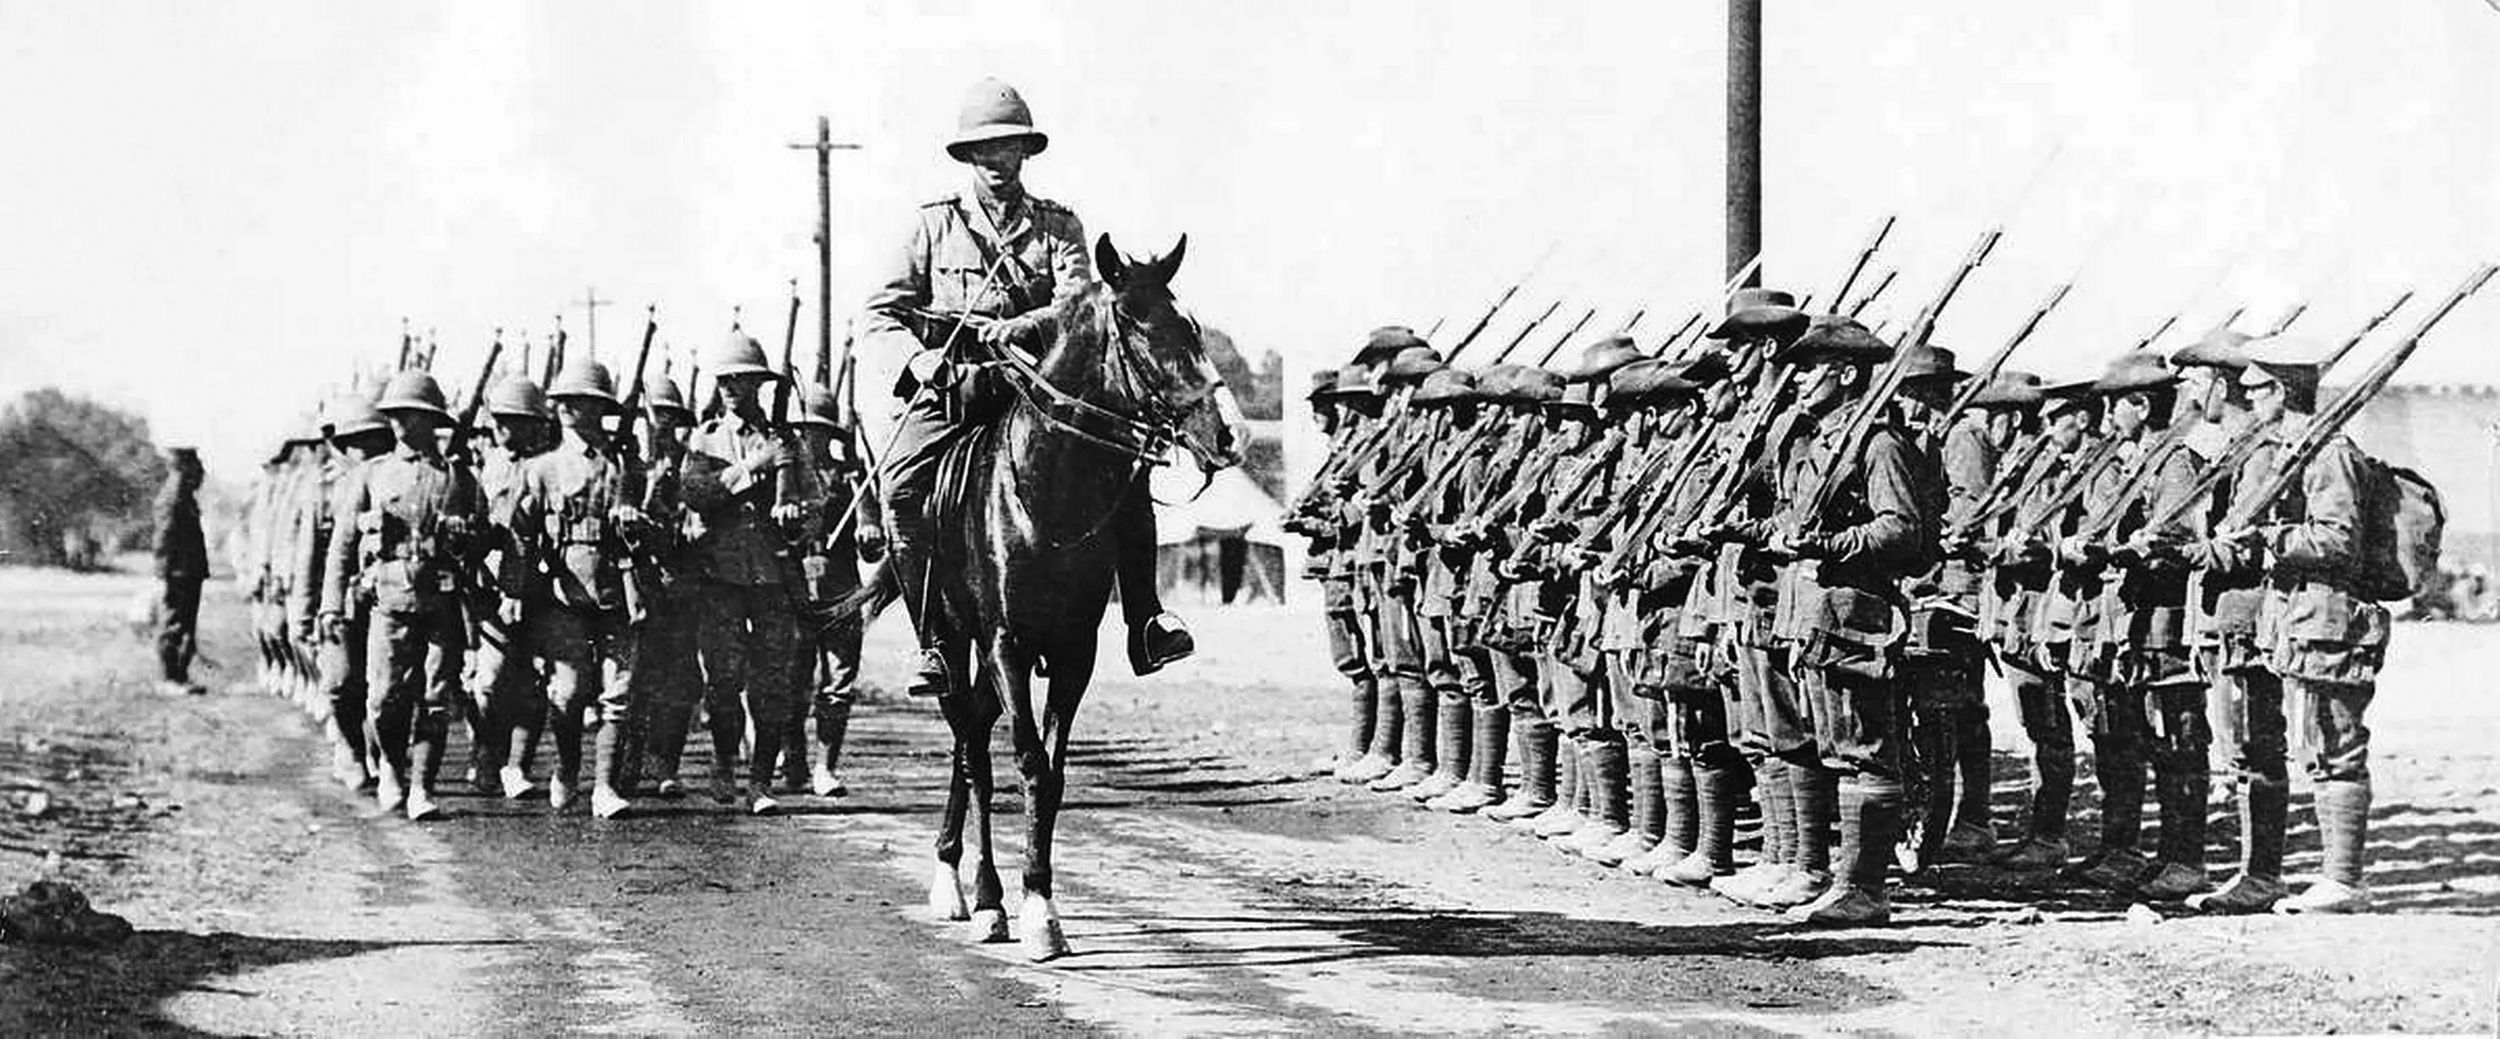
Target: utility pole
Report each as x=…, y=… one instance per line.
x=1744, y=137
x=824, y=146
x=590, y=308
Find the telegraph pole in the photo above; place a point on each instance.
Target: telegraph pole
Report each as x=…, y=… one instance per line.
x=1744, y=137
x=824, y=146
x=591, y=303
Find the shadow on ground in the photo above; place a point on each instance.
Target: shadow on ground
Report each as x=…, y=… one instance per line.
x=48, y=990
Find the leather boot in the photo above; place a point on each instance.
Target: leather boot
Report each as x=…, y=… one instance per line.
x=2264, y=805
x=1674, y=837
x=1387, y=712
x=833, y=726
x=1362, y=710
x=1870, y=824
x=1483, y=788
x=2120, y=864
x=1973, y=760
x=2179, y=786
x=1814, y=791
x=1606, y=769
x=1564, y=815
x=2343, y=832
x=1714, y=829
x=1648, y=819
x=1450, y=747
x=1537, y=773
x=1933, y=739
x=1417, y=708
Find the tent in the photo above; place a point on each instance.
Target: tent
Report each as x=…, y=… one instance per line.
x=1226, y=541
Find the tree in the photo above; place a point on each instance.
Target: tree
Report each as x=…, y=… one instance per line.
x=71, y=466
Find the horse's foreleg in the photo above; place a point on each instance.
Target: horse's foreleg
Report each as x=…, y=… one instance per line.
x=1042, y=756
x=946, y=892
x=989, y=907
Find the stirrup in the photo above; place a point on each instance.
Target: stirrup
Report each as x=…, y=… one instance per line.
x=934, y=678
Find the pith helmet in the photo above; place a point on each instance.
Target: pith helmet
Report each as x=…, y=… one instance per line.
x=737, y=355
x=1322, y=381
x=2136, y=370
x=819, y=409
x=517, y=397
x=1446, y=386
x=663, y=395
x=351, y=414
x=584, y=378
x=413, y=391
x=1603, y=357
x=2009, y=390
x=1413, y=363
x=1761, y=312
x=2221, y=348
x=1386, y=342
x=993, y=111
x=1837, y=340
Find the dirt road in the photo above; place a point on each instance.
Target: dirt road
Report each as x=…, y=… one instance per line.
x=1210, y=885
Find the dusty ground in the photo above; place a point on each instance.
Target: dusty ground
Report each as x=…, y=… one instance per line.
x=1210, y=885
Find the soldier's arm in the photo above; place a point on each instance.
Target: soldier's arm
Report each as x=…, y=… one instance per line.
x=1969, y=468
x=2323, y=538
x=345, y=532
x=1071, y=270
x=1895, y=524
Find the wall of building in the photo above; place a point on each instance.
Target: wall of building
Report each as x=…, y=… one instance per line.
x=2450, y=434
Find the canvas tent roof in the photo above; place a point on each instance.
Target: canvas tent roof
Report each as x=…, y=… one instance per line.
x=1232, y=502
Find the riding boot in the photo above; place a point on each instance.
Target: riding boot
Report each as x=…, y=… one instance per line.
x=1388, y=712
x=1483, y=787
x=1647, y=819
x=1715, y=782
x=1358, y=731
x=1537, y=750
x=2343, y=831
x=1416, y=709
x=1450, y=751
x=1606, y=771
x=1564, y=815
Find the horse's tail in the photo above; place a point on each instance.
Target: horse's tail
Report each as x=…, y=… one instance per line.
x=861, y=607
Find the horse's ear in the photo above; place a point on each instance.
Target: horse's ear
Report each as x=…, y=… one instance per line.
x=1108, y=264
x=1161, y=269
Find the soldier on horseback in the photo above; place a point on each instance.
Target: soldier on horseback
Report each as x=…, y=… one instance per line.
x=990, y=262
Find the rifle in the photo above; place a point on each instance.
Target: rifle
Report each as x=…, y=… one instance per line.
x=1872, y=294
x=789, y=373
x=555, y=354
x=1488, y=425
x=465, y=424
x=1873, y=243
x=632, y=409
x=1677, y=336
x=2345, y=348
x=407, y=342
x=1566, y=337
x=1524, y=330
x=2323, y=428
x=1862, y=422
x=1499, y=302
x=2146, y=343
x=1629, y=323
x=1987, y=373
x=2234, y=315
x=2284, y=323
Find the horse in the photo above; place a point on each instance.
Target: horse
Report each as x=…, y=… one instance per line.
x=1022, y=583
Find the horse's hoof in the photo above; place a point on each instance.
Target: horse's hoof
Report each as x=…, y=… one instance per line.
x=946, y=895
x=990, y=924
x=1042, y=938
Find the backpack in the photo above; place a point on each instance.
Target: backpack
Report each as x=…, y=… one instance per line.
x=2402, y=521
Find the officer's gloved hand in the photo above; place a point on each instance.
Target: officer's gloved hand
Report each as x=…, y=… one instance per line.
x=871, y=542
x=788, y=513
x=1007, y=332
x=925, y=366
x=509, y=611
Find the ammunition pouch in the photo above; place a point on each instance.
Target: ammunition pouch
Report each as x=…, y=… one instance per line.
x=1854, y=632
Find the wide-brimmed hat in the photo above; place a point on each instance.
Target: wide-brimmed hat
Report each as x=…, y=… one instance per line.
x=1385, y=342
x=994, y=111
x=2057, y=398
x=1519, y=384
x=739, y=354
x=1931, y=362
x=1445, y=386
x=1833, y=339
x=411, y=390
x=1651, y=382
x=2135, y=370
x=2221, y=348
x=1578, y=398
x=1322, y=381
x=1412, y=364
x=518, y=397
x=1602, y=357
x=2009, y=390
x=1354, y=382
x=2294, y=360
x=1755, y=312
x=584, y=379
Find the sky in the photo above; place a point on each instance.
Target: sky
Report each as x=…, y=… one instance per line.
x=215, y=213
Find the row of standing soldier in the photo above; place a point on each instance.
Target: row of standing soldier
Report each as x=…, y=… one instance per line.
x=561, y=572
x=1660, y=582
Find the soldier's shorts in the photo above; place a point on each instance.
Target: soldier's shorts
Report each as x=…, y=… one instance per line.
x=2334, y=737
x=1345, y=629
x=1441, y=660
x=1396, y=639
x=591, y=658
x=1574, y=700
x=1857, y=721
x=2245, y=710
x=1515, y=684
x=1768, y=711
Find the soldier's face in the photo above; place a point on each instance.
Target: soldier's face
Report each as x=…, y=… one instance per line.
x=996, y=164
x=581, y=417
x=412, y=427
x=2265, y=400
x=740, y=392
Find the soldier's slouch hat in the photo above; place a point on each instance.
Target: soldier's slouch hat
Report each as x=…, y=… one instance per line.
x=1602, y=357
x=1322, y=381
x=2220, y=348
x=1413, y=363
x=2058, y=398
x=1931, y=362
x=2136, y=370
x=1386, y=342
x=1761, y=312
x=2009, y=390
x=1445, y=386
x=1833, y=339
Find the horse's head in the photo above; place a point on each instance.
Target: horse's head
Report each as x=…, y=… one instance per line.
x=1157, y=357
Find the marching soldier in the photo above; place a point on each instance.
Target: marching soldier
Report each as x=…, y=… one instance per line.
x=360, y=434
x=664, y=686
x=181, y=568
x=573, y=507
x=415, y=513
x=995, y=253
x=504, y=709
x=744, y=482
x=841, y=528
